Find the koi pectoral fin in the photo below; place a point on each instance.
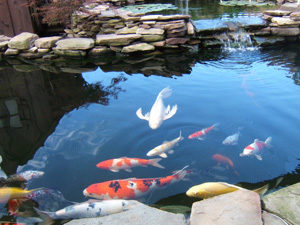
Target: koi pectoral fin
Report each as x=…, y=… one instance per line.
x=114, y=170
x=171, y=112
x=200, y=139
x=163, y=155
x=258, y=157
x=141, y=116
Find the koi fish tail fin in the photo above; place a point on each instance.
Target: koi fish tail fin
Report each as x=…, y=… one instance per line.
x=181, y=174
x=215, y=126
x=268, y=142
x=262, y=190
x=165, y=93
x=47, y=217
x=154, y=162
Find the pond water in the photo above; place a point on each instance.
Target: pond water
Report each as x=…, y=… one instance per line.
x=71, y=122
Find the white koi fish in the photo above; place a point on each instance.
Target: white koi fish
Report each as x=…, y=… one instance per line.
x=91, y=208
x=232, y=139
x=165, y=147
x=256, y=148
x=158, y=112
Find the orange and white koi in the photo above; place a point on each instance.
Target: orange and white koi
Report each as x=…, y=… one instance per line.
x=131, y=188
x=256, y=148
x=199, y=134
x=124, y=163
x=165, y=147
x=224, y=160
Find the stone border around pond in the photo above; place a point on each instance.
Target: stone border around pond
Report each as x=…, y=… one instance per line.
x=114, y=31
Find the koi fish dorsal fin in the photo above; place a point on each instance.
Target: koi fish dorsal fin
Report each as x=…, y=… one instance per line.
x=163, y=155
x=256, y=140
x=231, y=185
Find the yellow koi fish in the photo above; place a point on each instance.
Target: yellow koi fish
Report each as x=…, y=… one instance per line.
x=211, y=189
x=165, y=147
x=7, y=193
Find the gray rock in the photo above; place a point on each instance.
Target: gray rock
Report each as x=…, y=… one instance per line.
x=139, y=214
x=75, y=44
x=283, y=21
x=138, y=48
x=295, y=16
x=151, y=31
x=46, y=42
x=3, y=45
x=190, y=28
x=116, y=40
x=268, y=41
x=235, y=208
x=70, y=53
x=151, y=38
x=175, y=41
x=285, y=202
x=271, y=219
x=277, y=12
x=263, y=32
x=127, y=30
x=23, y=41
x=11, y=51
x=285, y=31
x=158, y=43
x=31, y=55
x=98, y=51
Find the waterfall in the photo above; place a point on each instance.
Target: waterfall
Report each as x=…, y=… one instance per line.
x=237, y=41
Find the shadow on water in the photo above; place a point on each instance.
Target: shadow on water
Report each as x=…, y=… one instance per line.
x=31, y=105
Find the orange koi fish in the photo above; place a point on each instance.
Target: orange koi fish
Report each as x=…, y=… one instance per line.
x=225, y=160
x=125, y=163
x=199, y=134
x=131, y=188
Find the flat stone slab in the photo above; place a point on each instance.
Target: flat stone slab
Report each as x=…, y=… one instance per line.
x=46, y=42
x=139, y=214
x=277, y=12
x=141, y=47
x=116, y=40
x=235, y=208
x=282, y=21
x=271, y=219
x=151, y=31
x=23, y=41
x=285, y=202
x=75, y=44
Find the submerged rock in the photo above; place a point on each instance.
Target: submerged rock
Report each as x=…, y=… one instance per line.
x=137, y=214
x=23, y=41
x=235, y=208
x=285, y=202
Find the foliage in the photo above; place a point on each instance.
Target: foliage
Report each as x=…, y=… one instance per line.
x=54, y=12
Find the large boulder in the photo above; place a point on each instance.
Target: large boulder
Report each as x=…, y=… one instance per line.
x=75, y=44
x=235, y=208
x=141, y=47
x=116, y=40
x=137, y=215
x=23, y=41
x=285, y=202
x=46, y=42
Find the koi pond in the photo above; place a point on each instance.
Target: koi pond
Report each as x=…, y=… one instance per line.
x=65, y=122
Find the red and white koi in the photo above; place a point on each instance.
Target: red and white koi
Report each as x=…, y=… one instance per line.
x=165, y=147
x=200, y=134
x=131, y=188
x=124, y=163
x=256, y=148
x=158, y=112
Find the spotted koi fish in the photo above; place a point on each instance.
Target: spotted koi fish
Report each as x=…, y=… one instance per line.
x=131, y=188
x=126, y=164
x=256, y=148
x=200, y=134
x=165, y=147
x=91, y=208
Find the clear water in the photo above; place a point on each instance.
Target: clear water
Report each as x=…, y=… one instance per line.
x=257, y=90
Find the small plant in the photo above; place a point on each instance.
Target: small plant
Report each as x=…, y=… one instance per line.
x=53, y=12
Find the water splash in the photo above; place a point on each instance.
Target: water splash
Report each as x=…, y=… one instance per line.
x=237, y=41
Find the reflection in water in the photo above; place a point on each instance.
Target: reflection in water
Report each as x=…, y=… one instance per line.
x=32, y=104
